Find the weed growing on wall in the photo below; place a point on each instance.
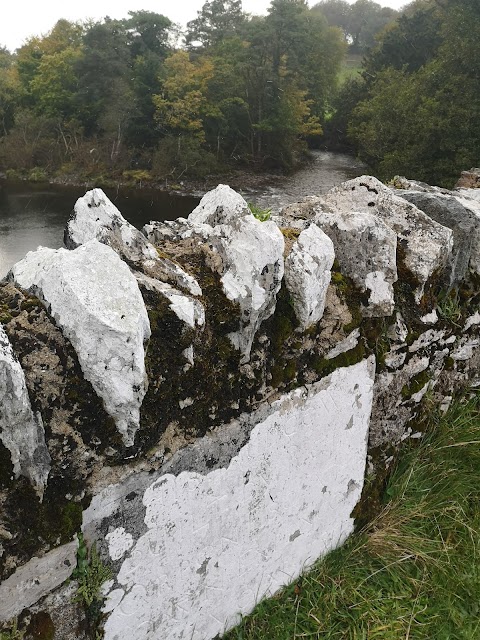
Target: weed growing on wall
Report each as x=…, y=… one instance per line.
x=260, y=214
x=414, y=572
x=13, y=633
x=91, y=573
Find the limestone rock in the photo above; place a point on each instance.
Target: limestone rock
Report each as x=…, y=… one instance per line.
x=95, y=299
x=36, y=579
x=95, y=216
x=426, y=244
x=187, y=309
x=365, y=248
x=449, y=212
x=469, y=179
x=220, y=206
x=250, y=258
x=308, y=273
x=21, y=431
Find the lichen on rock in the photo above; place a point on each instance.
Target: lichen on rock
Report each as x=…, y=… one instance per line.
x=95, y=299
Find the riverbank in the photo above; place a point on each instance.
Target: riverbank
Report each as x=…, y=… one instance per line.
x=239, y=179
x=317, y=173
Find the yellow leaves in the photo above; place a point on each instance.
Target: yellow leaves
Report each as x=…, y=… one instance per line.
x=184, y=100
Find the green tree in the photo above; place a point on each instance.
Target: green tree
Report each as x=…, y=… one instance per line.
x=217, y=20
x=10, y=91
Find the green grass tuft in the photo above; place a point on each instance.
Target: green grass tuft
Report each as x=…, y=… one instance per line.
x=260, y=214
x=414, y=573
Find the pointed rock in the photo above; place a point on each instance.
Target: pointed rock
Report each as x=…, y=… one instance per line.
x=21, y=431
x=95, y=299
x=308, y=274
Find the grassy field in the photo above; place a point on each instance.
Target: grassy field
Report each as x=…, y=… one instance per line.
x=414, y=574
x=351, y=68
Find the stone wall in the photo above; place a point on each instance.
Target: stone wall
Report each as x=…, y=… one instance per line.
x=200, y=401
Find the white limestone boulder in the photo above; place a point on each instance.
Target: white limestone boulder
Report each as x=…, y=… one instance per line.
x=21, y=430
x=250, y=258
x=365, y=248
x=95, y=216
x=465, y=225
x=426, y=244
x=95, y=299
x=308, y=273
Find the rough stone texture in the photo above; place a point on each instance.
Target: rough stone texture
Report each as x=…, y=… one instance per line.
x=186, y=308
x=36, y=579
x=426, y=244
x=96, y=217
x=365, y=248
x=269, y=523
x=250, y=258
x=21, y=431
x=95, y=299
x=465, y=225
x=469, y=179
x=260, y=435
x=308, y=273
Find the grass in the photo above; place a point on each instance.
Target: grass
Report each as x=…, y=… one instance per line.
x=414, y=573
x=260, y=214
x=351, y=68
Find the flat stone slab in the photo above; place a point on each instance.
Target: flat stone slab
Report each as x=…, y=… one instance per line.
x=36, y=579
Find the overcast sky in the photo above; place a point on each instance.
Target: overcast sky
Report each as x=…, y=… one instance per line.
x=24, y=18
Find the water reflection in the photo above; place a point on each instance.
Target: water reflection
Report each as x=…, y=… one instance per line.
x=35, y=215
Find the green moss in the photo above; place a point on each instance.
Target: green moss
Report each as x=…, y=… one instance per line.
x=290, y=233
x=375, y=332
x=12, y=632
x=325, y=367
x=416, y=384
x=449, y=363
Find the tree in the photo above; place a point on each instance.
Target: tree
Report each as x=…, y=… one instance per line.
x=10, y=91
x=423, y=122
x=217, y=20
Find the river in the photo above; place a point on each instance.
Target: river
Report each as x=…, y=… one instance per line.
x=32, y=215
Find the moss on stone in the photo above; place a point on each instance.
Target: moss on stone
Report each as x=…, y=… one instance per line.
x=416, y=384
x=325, y=367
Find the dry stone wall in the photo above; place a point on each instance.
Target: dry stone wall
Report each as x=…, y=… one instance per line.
x=200, y=402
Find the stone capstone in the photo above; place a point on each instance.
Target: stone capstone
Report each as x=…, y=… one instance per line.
x=365, y=248
x=426, y=244
x=95, y=216
x=95, y=299
x=465, y=225
x=469, y=179
x=308, y=273
x=21, y=430
x=250, y=258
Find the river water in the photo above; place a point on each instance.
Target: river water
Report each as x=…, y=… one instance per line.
x=32, y=215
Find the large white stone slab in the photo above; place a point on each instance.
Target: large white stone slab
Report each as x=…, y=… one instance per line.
x=95, y=299
x=21, y=431
x=216, y=544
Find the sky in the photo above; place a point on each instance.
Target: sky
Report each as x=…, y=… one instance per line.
x=24, y=18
